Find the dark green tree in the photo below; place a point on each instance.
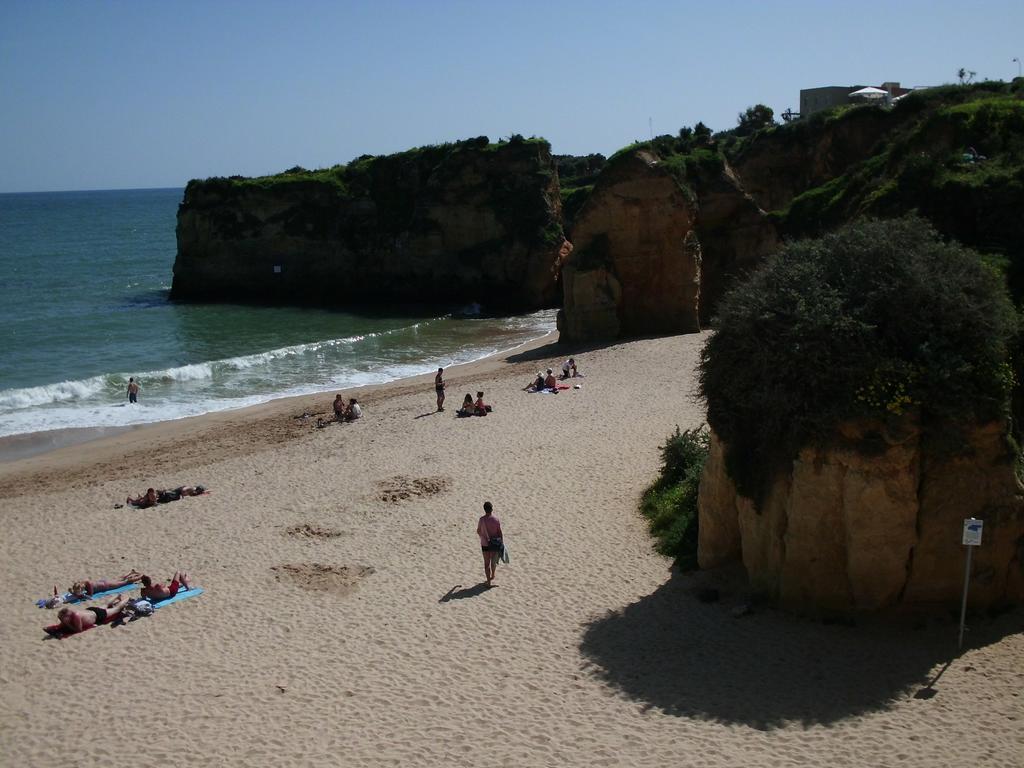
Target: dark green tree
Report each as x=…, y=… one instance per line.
x=879, y=319
x=754, y=118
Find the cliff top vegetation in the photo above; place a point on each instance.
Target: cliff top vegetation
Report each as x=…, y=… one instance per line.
x=879, y=320
x=352, y=179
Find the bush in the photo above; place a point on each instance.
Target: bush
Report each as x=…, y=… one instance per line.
x=875, y=320
x=670, y=504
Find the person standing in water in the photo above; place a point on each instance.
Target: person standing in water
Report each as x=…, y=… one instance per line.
x=488, y=528
x=133, y=390
x=439, y=388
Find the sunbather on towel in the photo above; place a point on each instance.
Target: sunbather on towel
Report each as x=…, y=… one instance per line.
x=550, y=382
x=73, y=620
x=162, y=497
x=152, y=497
x=157, y=592
x=89, y=587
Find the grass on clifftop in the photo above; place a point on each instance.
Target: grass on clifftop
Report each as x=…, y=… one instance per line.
x=880, y=319
x=670, y=504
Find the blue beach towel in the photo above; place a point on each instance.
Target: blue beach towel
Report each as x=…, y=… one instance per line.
x=183, y=594
x=70, y=599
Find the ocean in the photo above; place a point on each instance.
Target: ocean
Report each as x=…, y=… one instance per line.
x=84, y=283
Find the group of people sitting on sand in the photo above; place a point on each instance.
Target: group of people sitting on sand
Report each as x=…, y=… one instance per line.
x=547, y=381
x=346, y=412
x=78, y=620
x=153, y=497
x=474, y=408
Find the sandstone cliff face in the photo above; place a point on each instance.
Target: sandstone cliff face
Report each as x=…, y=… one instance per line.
x=465, y=223
x=845, y=531
x=654, y=254
x=635, y=268
x=735, y=236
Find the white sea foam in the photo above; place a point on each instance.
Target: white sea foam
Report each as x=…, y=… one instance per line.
x=28, y=397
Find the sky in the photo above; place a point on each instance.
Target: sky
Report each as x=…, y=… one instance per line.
x=121, y=95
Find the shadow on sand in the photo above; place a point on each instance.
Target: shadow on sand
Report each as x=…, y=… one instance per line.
x=458, y=592
x=675, y=653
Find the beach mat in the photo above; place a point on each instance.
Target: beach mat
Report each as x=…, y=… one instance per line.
x=60, y=632
x=70, y=599
x=183, y=594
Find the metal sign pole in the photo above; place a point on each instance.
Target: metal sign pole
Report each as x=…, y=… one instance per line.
x=963, y=604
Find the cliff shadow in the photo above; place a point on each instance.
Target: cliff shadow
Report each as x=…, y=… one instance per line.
x=563, y=349
x=766, y=669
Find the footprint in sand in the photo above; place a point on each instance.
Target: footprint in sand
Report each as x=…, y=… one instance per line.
x=399, y=488
x=307, y=531
x=336, y=579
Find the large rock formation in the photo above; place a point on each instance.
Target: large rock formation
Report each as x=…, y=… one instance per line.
x=635, y=266
x=455, y=223
x=656, y=245
x=848, y=529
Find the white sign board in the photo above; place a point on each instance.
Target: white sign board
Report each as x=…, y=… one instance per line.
x=972, y=532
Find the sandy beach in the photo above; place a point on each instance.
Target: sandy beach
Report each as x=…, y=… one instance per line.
x=344, y=621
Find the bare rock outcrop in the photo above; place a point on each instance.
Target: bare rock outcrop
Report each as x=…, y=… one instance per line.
x=850, y=530
x=657, y=245
x=467, y=222
x=635, y=268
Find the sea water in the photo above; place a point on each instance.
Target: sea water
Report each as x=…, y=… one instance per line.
x=84, y=283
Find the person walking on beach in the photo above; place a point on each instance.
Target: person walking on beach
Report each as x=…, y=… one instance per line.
x=488, y=528
x=133, y=390
x=439, y=388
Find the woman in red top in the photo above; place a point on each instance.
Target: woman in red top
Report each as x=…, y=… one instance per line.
x=488, y=528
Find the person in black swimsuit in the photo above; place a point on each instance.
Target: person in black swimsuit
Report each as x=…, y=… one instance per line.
x=78, y=621
x=439, y=388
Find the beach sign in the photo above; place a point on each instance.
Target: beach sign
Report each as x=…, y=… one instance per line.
x=972, y=532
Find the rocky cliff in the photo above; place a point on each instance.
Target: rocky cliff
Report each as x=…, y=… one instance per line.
x=660, y=237
x=849, y=529
x=471, y=221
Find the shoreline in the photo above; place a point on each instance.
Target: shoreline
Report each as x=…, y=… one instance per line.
x=35, y=451
x=28, y=445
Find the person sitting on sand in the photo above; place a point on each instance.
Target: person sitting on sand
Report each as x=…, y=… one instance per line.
x=156, y=592
x=569, y=368
x=467, y=409
x=73, y=620
x=549, y=381
x=148, y=499
x=479, y=407
x=89, y=587
x=339, y=408
x=536, y=385
x=354, y=410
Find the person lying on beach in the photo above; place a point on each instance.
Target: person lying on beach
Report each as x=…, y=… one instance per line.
x=152, y=497
x=147, y=499
x=339, y=408
x=73, y=620
x=89, y=587
x=156, y=592
x=163, y=497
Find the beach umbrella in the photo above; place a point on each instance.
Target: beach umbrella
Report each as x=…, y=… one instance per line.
x=870, y=93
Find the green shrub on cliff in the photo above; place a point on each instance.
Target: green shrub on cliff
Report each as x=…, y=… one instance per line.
x=878, y=319
x=670, y=504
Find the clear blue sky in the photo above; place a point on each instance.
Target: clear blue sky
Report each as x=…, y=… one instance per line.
x=101, y=95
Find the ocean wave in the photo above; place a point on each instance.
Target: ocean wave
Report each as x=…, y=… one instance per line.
x=27, y=397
